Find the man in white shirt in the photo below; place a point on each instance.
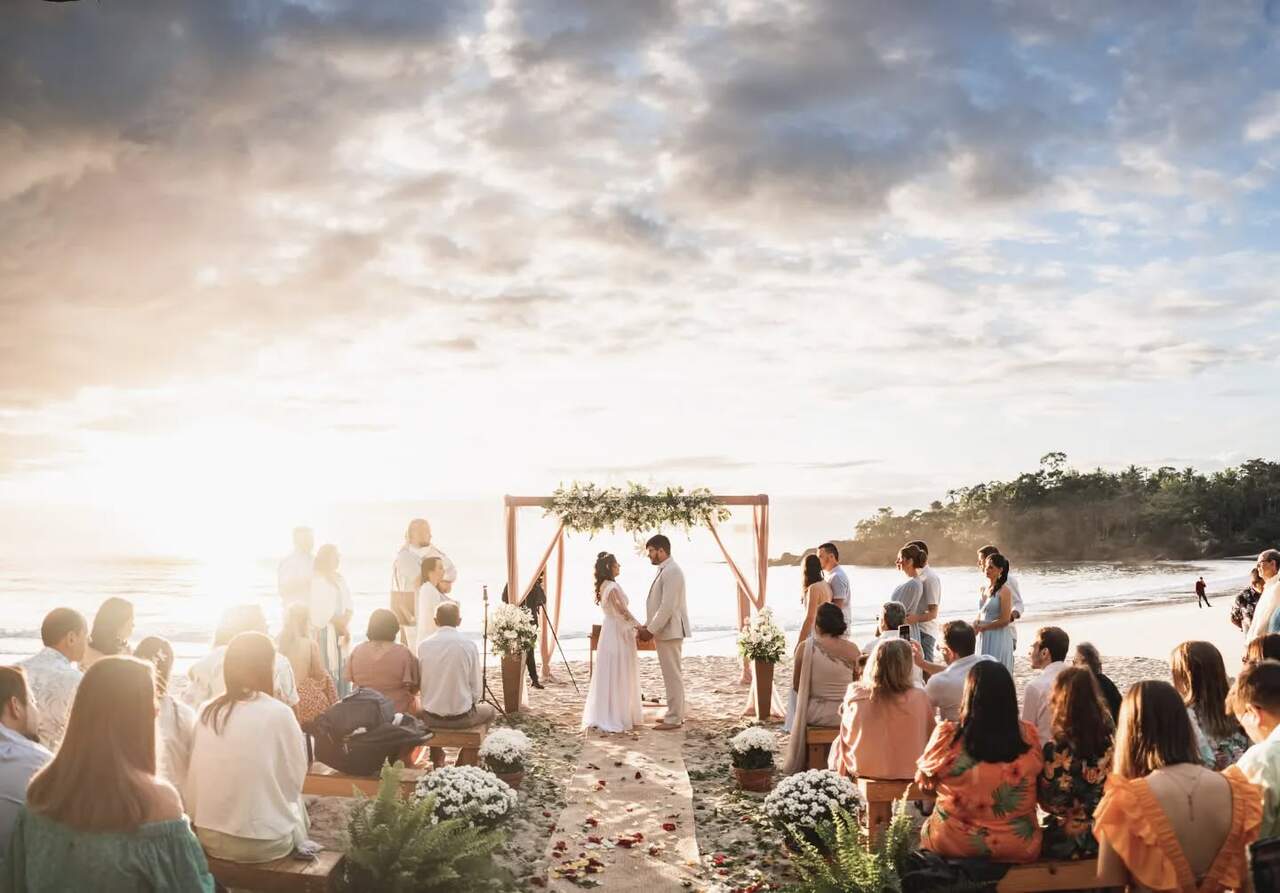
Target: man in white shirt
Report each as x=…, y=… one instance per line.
x=53, y=673
x=945, y=687
x=20, y=756
x=429, y=598
x=983, y=554
x=841, y=596
x=406, y=573
x=930, y=602
x=451, y=685
x=1048, y=655
x=293, y=577
x=1269, y=569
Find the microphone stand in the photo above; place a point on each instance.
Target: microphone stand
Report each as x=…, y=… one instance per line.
x=486, y=693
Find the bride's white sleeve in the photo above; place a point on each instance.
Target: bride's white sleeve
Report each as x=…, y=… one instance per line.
x=616, y=605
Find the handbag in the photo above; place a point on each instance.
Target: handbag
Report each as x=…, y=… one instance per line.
x=315, y=696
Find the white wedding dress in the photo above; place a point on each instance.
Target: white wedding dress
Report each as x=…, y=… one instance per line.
x=613, y=701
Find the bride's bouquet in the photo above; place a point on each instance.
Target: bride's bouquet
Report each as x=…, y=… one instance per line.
x=762, y=639
x=511, y=630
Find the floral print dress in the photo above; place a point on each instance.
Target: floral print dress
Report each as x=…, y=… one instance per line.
x=1069, y=789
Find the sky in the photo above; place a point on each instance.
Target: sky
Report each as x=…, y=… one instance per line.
x=264, y=255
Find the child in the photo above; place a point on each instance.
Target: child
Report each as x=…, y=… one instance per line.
x=1257, y=706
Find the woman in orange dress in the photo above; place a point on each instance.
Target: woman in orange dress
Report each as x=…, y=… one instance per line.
x=984, y=770
x=1166, y=823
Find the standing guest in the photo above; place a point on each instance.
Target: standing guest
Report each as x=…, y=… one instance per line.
x=995, y=623
x=52, y=674
x=1165, y=821
x=931, y=603
x=945, y=687
x=824, y=668
x=406, y=573
x=293, y=578
x=910, y=592
x=885, y=722
x=1200, y=594
x=384, y=665
x=317, y=691
x=20, y=756
x=1262, y=648
x=841, y=595
x=1243, y=607
x=97, y=817
x=983, y=554
x=451, y=685
x=112, y=627
x=1087, y=656
x=206, y=678
x=1200, y=677
x=1268, y=567
x=1076, y=761
x=535, y=603
x=1257, y=705
x=430, y=597
x=248, y=763
x=984, y=770
x=1048, y=655
x=815, y=591
x=176, y=722
x=331, y=608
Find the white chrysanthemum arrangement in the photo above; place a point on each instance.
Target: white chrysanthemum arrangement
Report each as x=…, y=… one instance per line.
x=753, y=748
x=506, y=750
x=511, y=630
x=762, y=639
x=805, y=800
x=468, y=792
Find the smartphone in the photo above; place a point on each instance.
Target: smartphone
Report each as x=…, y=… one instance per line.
x=904, y=632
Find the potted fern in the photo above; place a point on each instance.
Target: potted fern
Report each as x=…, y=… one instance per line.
x=845, y=859
x=751, y=751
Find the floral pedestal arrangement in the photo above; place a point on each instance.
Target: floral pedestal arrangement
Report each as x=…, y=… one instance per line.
x=506, y=752
x=751, y=751
x=802, y=805
x=763, y=642
x=512, y=632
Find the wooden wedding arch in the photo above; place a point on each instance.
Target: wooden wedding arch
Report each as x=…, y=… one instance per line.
x=747, y=595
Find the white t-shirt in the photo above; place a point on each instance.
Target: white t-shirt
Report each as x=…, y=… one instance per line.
x=932, y=596
x=293, y=578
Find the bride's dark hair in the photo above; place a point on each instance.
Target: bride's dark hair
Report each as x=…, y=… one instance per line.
x=603, y=571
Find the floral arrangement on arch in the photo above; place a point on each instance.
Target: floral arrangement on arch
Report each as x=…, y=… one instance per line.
x=587, y=508
x=506, y=750
x=762, y=639
x=468, y=792
x=804, y=801
x=753, y=748
x=511, y=630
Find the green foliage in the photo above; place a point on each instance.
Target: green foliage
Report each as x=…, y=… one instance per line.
x=854, y=866
x=587, y=508
x=395, y=845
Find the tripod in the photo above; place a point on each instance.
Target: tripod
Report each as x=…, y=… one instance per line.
x=562, y=657
x=485, y=691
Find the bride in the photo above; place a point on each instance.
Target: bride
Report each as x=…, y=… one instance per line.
x=613, y=701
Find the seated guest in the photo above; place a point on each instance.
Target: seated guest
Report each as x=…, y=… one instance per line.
x=176, y=721
x=815, y=592
x=1201, y=679
x=825, y=665
x=248, y=763
x=1076, y=762
x=97, y=817
x=1166, y=822
x=20, y=756
x=205, y=678
x=886, y=720
x=317, y=691
x=451, y=686
x=1087, y=656
x=53, y=675
x=1262, y=648
x=892, y=616
x=946, y=680
x=984, y=770
x=112, y=627
x=384, y=665
x=1048, y=655
x=1257, y=706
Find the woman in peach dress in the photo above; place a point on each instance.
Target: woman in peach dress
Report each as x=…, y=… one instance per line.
x=885, y=721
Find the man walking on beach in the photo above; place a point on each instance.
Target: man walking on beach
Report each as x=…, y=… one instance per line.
x=829, y=558
x=1200, y=596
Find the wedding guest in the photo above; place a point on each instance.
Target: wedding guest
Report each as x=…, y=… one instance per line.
x=97, y=817
x=406, y=573
x=1165, y=821
x=1268, y=567
x=926, y=614
x=331, y=608
x=384, y=665
x=52, y=673
x=293, y=577
x=1243, y=607
x=841, y=595
x=995, y=623
x=112, y=627
x=1076, y=760
x=815, y=592
x=451, y=686
x=910, y=592
x=1014, y=588
x=1256, y=704
x=885, y=722
x=535, y=603
x=1048, y=655
x=1262, y=648
x=892, y=616
x=176, y=722
x=1087, y=656
x=20, y=754
x=248, y=763
x=1200, y=677
x=988, y=755
x=429, y=598
x=825, y=665
x=205, y=678
x=317, y=691
x=945, y=687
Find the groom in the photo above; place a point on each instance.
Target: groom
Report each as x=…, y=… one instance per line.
x=668, y=622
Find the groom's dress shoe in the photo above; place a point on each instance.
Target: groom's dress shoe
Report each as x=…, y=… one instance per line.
x=666, y=726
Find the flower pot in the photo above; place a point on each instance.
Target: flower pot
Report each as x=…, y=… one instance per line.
x=759, y=780
x=512, y=681
x=763, y=689
x=512, y=779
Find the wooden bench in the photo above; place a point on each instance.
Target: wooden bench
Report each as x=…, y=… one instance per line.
x=286, y=875
x=880, y=794
x=325, y=781
x=817, y=740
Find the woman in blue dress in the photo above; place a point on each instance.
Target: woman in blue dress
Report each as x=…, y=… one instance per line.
x=994, y=623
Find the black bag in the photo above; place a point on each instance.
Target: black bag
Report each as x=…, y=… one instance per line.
x=359, y=733
x=1264, y=863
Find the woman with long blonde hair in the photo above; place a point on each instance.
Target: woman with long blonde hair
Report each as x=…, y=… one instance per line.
x=886, y=720
x=1200, y=676
x=97, y=817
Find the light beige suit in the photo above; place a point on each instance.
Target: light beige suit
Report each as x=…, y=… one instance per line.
x=668, y=619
